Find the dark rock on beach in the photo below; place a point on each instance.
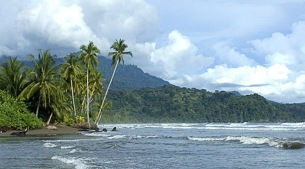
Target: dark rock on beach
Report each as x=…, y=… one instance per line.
x=85, y=126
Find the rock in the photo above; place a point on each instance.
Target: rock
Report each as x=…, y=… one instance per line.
x=104, y=130
x=293, y=145
x=114, y=129
x=85, y=126
x=20, y=133
x=51, y=127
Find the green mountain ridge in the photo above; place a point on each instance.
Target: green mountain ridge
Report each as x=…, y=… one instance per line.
x=175, y=104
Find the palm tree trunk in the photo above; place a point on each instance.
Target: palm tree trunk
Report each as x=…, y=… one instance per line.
x=73, y=101
x=49, y=119
x=37, y=110
x=88, y=102
x=99, y=116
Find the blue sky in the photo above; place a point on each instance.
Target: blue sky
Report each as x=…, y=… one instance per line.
x=251, y=46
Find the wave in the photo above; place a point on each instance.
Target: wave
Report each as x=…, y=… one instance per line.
x=215, y=126
x=273, y=142
x=66, y=147
x=79, y=163
x=75, y=150
x=71, y=140
x=49, y=145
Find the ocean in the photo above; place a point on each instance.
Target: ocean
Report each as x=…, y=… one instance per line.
x=163, y=146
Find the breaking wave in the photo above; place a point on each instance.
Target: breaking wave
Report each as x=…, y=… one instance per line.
x=216, y=126
x=49, y=145
x=79, y=163
x=273, y=142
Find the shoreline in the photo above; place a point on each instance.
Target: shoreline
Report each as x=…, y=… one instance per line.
x=61, y=130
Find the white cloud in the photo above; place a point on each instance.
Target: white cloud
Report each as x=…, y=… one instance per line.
x=231, y=56
x=64, y=25
x=286, y=49
x=179, y=57
x=56, y=23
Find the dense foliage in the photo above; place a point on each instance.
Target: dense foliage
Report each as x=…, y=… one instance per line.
x=70, y=91
x=175, y=104
x=14, y=114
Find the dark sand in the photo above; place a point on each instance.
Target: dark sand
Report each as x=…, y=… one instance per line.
x=61, y=130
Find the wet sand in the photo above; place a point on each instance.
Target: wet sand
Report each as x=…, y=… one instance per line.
x=61, y=130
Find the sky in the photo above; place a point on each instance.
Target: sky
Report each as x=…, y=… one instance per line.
x=253, y=46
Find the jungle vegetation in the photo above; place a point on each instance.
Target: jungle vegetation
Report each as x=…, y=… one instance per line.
x=175, y=104
x=70, y=92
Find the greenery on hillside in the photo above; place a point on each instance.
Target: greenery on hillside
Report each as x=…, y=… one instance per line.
x=175, y=104
x=14, y=114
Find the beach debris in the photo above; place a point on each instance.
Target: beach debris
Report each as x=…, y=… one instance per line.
x=20, y=133
x=51, y=127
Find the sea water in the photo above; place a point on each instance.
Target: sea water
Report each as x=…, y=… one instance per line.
x=177, y=146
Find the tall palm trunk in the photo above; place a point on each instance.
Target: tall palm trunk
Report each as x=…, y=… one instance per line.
x=49, y=119
x=88, y=101
x=99, y=116
x=73, y=100
x=37, y=109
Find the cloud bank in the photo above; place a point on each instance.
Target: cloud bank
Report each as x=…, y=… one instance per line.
x=249, y=47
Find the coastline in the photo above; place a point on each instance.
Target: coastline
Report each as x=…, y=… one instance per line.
x=61, y=130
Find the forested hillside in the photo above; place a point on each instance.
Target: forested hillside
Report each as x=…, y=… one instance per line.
x=175, y=104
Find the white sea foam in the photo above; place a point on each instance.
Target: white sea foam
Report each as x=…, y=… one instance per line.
x=66, y=147
x=117, y=137
x=75, y=150
x=254, y=140
x=72, y=140
x=145, y=136
x=49, y=145
x=206, y=139
x=80, y=163
x=215, y=126
x=242, y=139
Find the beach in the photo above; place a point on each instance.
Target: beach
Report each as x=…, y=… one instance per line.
x=61, y=130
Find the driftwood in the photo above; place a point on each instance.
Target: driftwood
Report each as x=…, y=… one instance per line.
x=20, y=133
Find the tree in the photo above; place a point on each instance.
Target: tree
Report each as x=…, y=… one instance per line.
x=89, y=57
x=119, y=48
x=70, y=70
x=13, y=76
x=43, y=80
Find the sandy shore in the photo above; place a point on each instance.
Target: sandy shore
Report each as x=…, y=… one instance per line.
x=61, y=130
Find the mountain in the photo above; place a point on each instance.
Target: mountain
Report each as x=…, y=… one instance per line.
x=128, y=76
x=175, y=104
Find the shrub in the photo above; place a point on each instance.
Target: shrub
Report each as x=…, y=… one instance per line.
x=14, y=113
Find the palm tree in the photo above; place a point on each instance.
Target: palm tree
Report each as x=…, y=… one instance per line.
x=13, y=76
x=119, y=48
x=89, y=57
x=43, y=80
x=70, y=69
x=95, y=84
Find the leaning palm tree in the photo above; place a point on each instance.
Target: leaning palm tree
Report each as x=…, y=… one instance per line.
x=89, y=57
x=43, y=80
x=70, y=69
x=119, y=48
x=13, y=76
